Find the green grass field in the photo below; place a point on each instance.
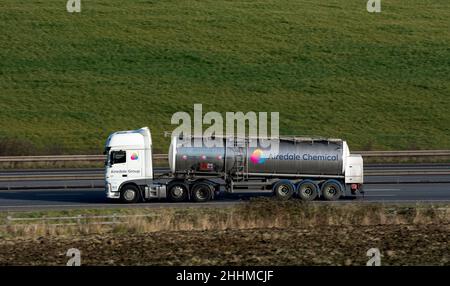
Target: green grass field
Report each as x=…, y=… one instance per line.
x=381, y=81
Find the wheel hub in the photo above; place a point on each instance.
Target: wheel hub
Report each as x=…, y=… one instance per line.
x=202, y=193
x=283, y=190
x=307, y=192
x=177, y=192
x=332, y=191
x=129, y=195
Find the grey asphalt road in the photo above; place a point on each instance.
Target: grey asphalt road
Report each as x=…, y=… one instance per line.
x=23, y=200
x=409, y=185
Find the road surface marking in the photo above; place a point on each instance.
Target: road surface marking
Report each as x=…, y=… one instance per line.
x=48, y=195
x=380, y=195
x=382, y=190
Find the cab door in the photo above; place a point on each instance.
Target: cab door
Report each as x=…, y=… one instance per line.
x=116, y=170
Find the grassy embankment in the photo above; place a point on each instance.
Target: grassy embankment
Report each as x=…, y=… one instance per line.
x=329, y=67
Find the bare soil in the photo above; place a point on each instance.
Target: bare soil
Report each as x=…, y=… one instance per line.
x=405, y=244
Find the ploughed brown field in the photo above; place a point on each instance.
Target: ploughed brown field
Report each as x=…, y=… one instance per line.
x=260, y=232
x=323, y=245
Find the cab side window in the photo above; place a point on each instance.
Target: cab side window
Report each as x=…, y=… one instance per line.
x=118, y=157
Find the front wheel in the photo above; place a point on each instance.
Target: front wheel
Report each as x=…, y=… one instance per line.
x=129, y=194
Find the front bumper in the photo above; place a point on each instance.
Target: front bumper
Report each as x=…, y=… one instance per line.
x=110, y=194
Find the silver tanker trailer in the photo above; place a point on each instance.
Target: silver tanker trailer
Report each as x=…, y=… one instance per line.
x=307, y=168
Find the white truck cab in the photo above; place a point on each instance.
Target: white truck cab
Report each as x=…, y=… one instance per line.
x=129, y=160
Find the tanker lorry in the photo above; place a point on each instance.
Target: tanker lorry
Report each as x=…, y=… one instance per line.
x=302, y=167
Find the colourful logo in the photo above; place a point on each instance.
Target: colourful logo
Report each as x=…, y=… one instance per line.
x=257, y=157
x=134, y=156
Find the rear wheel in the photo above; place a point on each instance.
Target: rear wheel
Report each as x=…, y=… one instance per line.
x=331, y=190
x=283, y=189
x=129, y=194
x=177, y=192
x=202, y=192
x=307, y=190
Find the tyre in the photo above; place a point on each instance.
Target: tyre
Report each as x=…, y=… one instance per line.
x=331, y=190
x=129, y=194
x=283, y=189
x=202, y=192
x=307, y=190
x=177, y=192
